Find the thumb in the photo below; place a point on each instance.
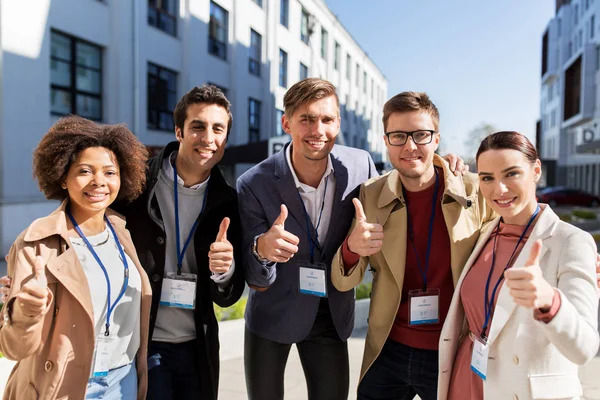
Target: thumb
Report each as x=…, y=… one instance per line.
x=360, y=212
x=40, y=271
x=534, y=255
x=222, y=235
x=282, y=216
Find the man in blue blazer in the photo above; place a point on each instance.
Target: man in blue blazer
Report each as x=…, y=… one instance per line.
x=296, y=209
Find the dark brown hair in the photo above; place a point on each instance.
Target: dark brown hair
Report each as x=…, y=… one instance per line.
x=71, y=135
x=208, y=94
x=410, y=102
x=509, y=140
x=305, y=91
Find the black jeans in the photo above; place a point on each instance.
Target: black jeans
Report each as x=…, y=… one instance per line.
x=173, y=371
x=401, y=372
x=324, y=358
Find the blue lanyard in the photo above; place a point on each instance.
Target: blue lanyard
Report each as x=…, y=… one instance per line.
x=489, y=303
x=422, y=271
x=313, y=243
x=110, y=308
x=181, y=253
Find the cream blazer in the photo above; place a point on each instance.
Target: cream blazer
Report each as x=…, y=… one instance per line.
x=529, y=359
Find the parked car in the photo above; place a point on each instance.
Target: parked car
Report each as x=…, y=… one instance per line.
x=560, y=196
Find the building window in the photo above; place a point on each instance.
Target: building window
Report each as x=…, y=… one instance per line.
x=282, y=68
x=372, y=89
x=592, y=26
x=365, y=82
x=324, y=39
x=303, y=71
x=304, y=35
x=254, y=53
x=278, y=127
x=597, y=58
x=162, y=97
x=336, y=56
x=162, y=14
x=576, y=14
x=253, y=120
x=580, y=38
x=357, y=75
x=258, y=3
x=218, y=31
x=221, y=88
x=346, y=106
x=559, y=27
x=348, y=66
x=284, y=13
x=75, y=77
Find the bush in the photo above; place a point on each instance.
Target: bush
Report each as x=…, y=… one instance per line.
x=584, y=214
x=236, y=311
x=363, y=291
x=565, y=217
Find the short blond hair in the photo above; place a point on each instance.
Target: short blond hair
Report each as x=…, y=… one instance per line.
x=410, y=102
x=305, y=91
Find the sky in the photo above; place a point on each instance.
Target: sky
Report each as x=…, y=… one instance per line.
x=479, y=60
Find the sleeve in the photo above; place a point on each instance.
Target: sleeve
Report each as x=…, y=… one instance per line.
x=343, y=277
x=227, y=288
x=253, y=222
x=573, y=330
x=20, y=336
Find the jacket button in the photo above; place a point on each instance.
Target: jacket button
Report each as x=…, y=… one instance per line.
x=48, y=366
x=160, y=240
x=155, y=278
x=516, y=360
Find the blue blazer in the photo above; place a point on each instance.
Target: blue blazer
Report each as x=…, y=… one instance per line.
x=281, y=313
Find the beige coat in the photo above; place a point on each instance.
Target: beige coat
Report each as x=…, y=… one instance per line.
x=528, y=359
x=464, y=211
x=55, y=352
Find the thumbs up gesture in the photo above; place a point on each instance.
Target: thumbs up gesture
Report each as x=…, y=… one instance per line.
x=220, y=255
x=366, y=239
x=32, y=300
x=528, y=287
x=277, y=244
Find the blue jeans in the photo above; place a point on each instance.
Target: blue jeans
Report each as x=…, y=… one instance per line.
x=401, y=372
x=120, y=384
x=173, y=371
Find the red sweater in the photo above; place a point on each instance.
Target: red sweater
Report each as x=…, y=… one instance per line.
x=439, y=274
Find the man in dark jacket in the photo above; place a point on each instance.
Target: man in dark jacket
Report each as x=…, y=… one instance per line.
x=186, y=240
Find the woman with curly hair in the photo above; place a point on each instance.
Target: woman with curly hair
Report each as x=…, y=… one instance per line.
x=78, y=309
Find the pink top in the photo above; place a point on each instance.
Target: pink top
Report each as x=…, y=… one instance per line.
x=464, y=384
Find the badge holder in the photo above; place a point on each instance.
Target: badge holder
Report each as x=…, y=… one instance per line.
x=479, y=358
x=313, y=278
x=102, y=361
x=179, y=290
x=424, y=306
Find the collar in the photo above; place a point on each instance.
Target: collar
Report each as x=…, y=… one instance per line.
x=56, y=224
x=454, y=186
x=305, y=188
x=167, y=169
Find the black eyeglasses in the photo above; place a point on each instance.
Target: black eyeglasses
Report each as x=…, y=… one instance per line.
x=399, y=138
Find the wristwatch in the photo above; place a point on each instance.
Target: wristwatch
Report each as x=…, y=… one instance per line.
x=263, y=261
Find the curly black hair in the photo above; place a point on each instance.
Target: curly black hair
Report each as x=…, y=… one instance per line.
x=69, y=136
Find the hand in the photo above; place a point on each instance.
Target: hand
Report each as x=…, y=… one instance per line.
x=457, y=165
x=5, y=281
x=366, y=239
x=278, y=245
x=220, y=255
x=32, y=300
x=528, y=287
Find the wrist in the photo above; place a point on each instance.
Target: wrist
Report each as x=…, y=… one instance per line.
x=255, y=250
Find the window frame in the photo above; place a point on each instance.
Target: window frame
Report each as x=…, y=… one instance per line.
x=159, y=110
x=215, y=46
x=304, y=22
x=283, y=68
x=253, y=131
x=73, y=65
x=304, y=68
x=152, y=5
x=255, y=64
x=284, y=13
x=324, y=43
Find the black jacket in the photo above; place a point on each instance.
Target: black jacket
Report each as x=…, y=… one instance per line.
x=144, y=221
